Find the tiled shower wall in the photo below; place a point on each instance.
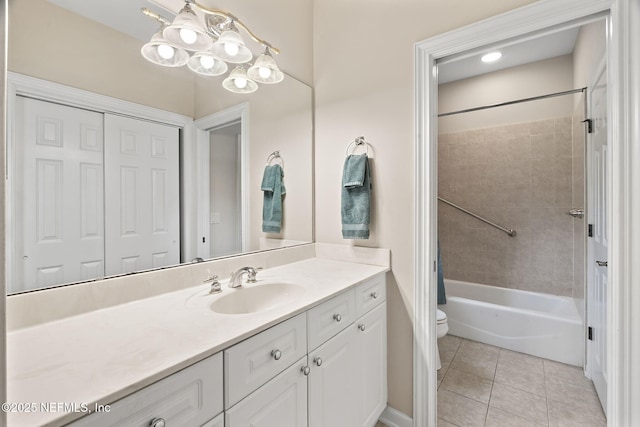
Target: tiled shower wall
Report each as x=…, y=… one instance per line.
x=518, y=176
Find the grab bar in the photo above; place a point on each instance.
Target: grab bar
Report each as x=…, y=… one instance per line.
x=510, y=231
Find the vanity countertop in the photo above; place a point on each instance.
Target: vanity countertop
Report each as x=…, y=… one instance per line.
x=102, y=356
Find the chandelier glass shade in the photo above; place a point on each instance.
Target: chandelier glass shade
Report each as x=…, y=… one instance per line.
x=206, y=64
x=185, y=31
x=161, y=52
x=239, y=82
x=265, y=69
x=206, y=49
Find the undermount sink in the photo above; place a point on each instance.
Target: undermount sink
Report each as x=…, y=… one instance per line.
x=256, y=298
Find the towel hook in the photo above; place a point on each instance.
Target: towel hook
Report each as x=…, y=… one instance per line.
x=273, y=156
x=358, y=141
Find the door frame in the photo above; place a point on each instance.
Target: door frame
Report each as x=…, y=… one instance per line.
x=32, y=87
x=202, y=126
x=623, y=71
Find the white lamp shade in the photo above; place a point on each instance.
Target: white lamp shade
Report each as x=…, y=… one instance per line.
x=239, y=82
x=161, y=52
x=231, y=48
x=265, y=70
x=206, y=64
x=186, y=31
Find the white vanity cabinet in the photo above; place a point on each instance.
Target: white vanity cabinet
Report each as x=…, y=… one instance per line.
x=191, y=397
x=326, y=367
x=281, y=402
x=332, y=387
x=348, y=378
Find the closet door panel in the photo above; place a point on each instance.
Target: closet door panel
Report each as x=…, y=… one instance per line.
x=141, y=195
x=57, y=203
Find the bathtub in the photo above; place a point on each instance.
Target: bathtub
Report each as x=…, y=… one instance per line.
x=542, y=325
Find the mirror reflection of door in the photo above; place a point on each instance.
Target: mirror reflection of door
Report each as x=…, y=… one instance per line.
x=79, y=173
x=225, y=196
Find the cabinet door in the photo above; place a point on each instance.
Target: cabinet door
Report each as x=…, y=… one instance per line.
x=282, y=402
x=371, y=338
x=187, y=398
x=216, y=422
x=332, y=382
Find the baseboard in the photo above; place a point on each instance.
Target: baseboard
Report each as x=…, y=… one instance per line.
x=394, y=418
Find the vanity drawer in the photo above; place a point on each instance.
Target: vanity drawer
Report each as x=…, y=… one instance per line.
x=253, y=362
x=187, y=398
x=330, y=317
x=370, y=294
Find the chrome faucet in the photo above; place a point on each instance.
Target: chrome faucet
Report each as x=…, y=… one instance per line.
x=236, y=278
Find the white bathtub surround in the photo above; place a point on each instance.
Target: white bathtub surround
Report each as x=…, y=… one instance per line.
x=106, y=354
x=542, y=325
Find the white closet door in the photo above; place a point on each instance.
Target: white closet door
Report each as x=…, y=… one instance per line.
x=141, y=195
x=58, y=195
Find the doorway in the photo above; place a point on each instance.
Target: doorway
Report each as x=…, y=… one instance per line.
x=541, y=17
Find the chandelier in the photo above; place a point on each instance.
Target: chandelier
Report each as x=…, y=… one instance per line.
x=208, y=50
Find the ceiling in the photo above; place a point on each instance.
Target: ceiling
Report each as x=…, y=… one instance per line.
x=513, y=54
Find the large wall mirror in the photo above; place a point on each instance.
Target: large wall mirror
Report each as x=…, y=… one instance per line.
x=94, y=192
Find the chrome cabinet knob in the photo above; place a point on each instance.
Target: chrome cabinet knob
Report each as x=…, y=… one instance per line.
x=337, y=317
x=305, y=370
x=318, y=361
x=374, y=295
x=602, y=263
x=157, y=422
x=361, y=327
x=276, y=354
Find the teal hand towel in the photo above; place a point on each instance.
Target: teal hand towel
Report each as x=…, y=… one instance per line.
x=274, y=190
x=356, y=197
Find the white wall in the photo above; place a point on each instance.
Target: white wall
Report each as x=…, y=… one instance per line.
x=363, y=79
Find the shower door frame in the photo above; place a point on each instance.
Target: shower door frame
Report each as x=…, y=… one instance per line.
x=623, y=38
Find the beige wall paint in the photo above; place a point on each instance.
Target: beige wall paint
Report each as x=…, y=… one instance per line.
x=538, y=78
x=363, y=78
x=286, y=24
x=53, y=44
x=589, y=52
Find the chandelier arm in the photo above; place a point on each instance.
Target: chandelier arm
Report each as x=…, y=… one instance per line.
x=239, y=23
x=152, y=14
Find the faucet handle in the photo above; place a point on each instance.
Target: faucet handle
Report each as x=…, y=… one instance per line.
x=251, y=275
x=216, y=286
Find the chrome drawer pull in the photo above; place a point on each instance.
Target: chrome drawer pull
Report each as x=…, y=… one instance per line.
x=374, y=295
x=318, y=361
x=337, y=317
x=305, y=370
x=361, y=327
x=601, y=263
x=277, y=354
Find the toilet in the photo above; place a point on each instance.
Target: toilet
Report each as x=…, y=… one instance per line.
x=441, y=330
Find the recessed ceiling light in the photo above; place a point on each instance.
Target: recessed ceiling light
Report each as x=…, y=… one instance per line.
x=491, y=57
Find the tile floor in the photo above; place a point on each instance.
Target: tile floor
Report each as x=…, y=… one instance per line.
x=482, y=385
